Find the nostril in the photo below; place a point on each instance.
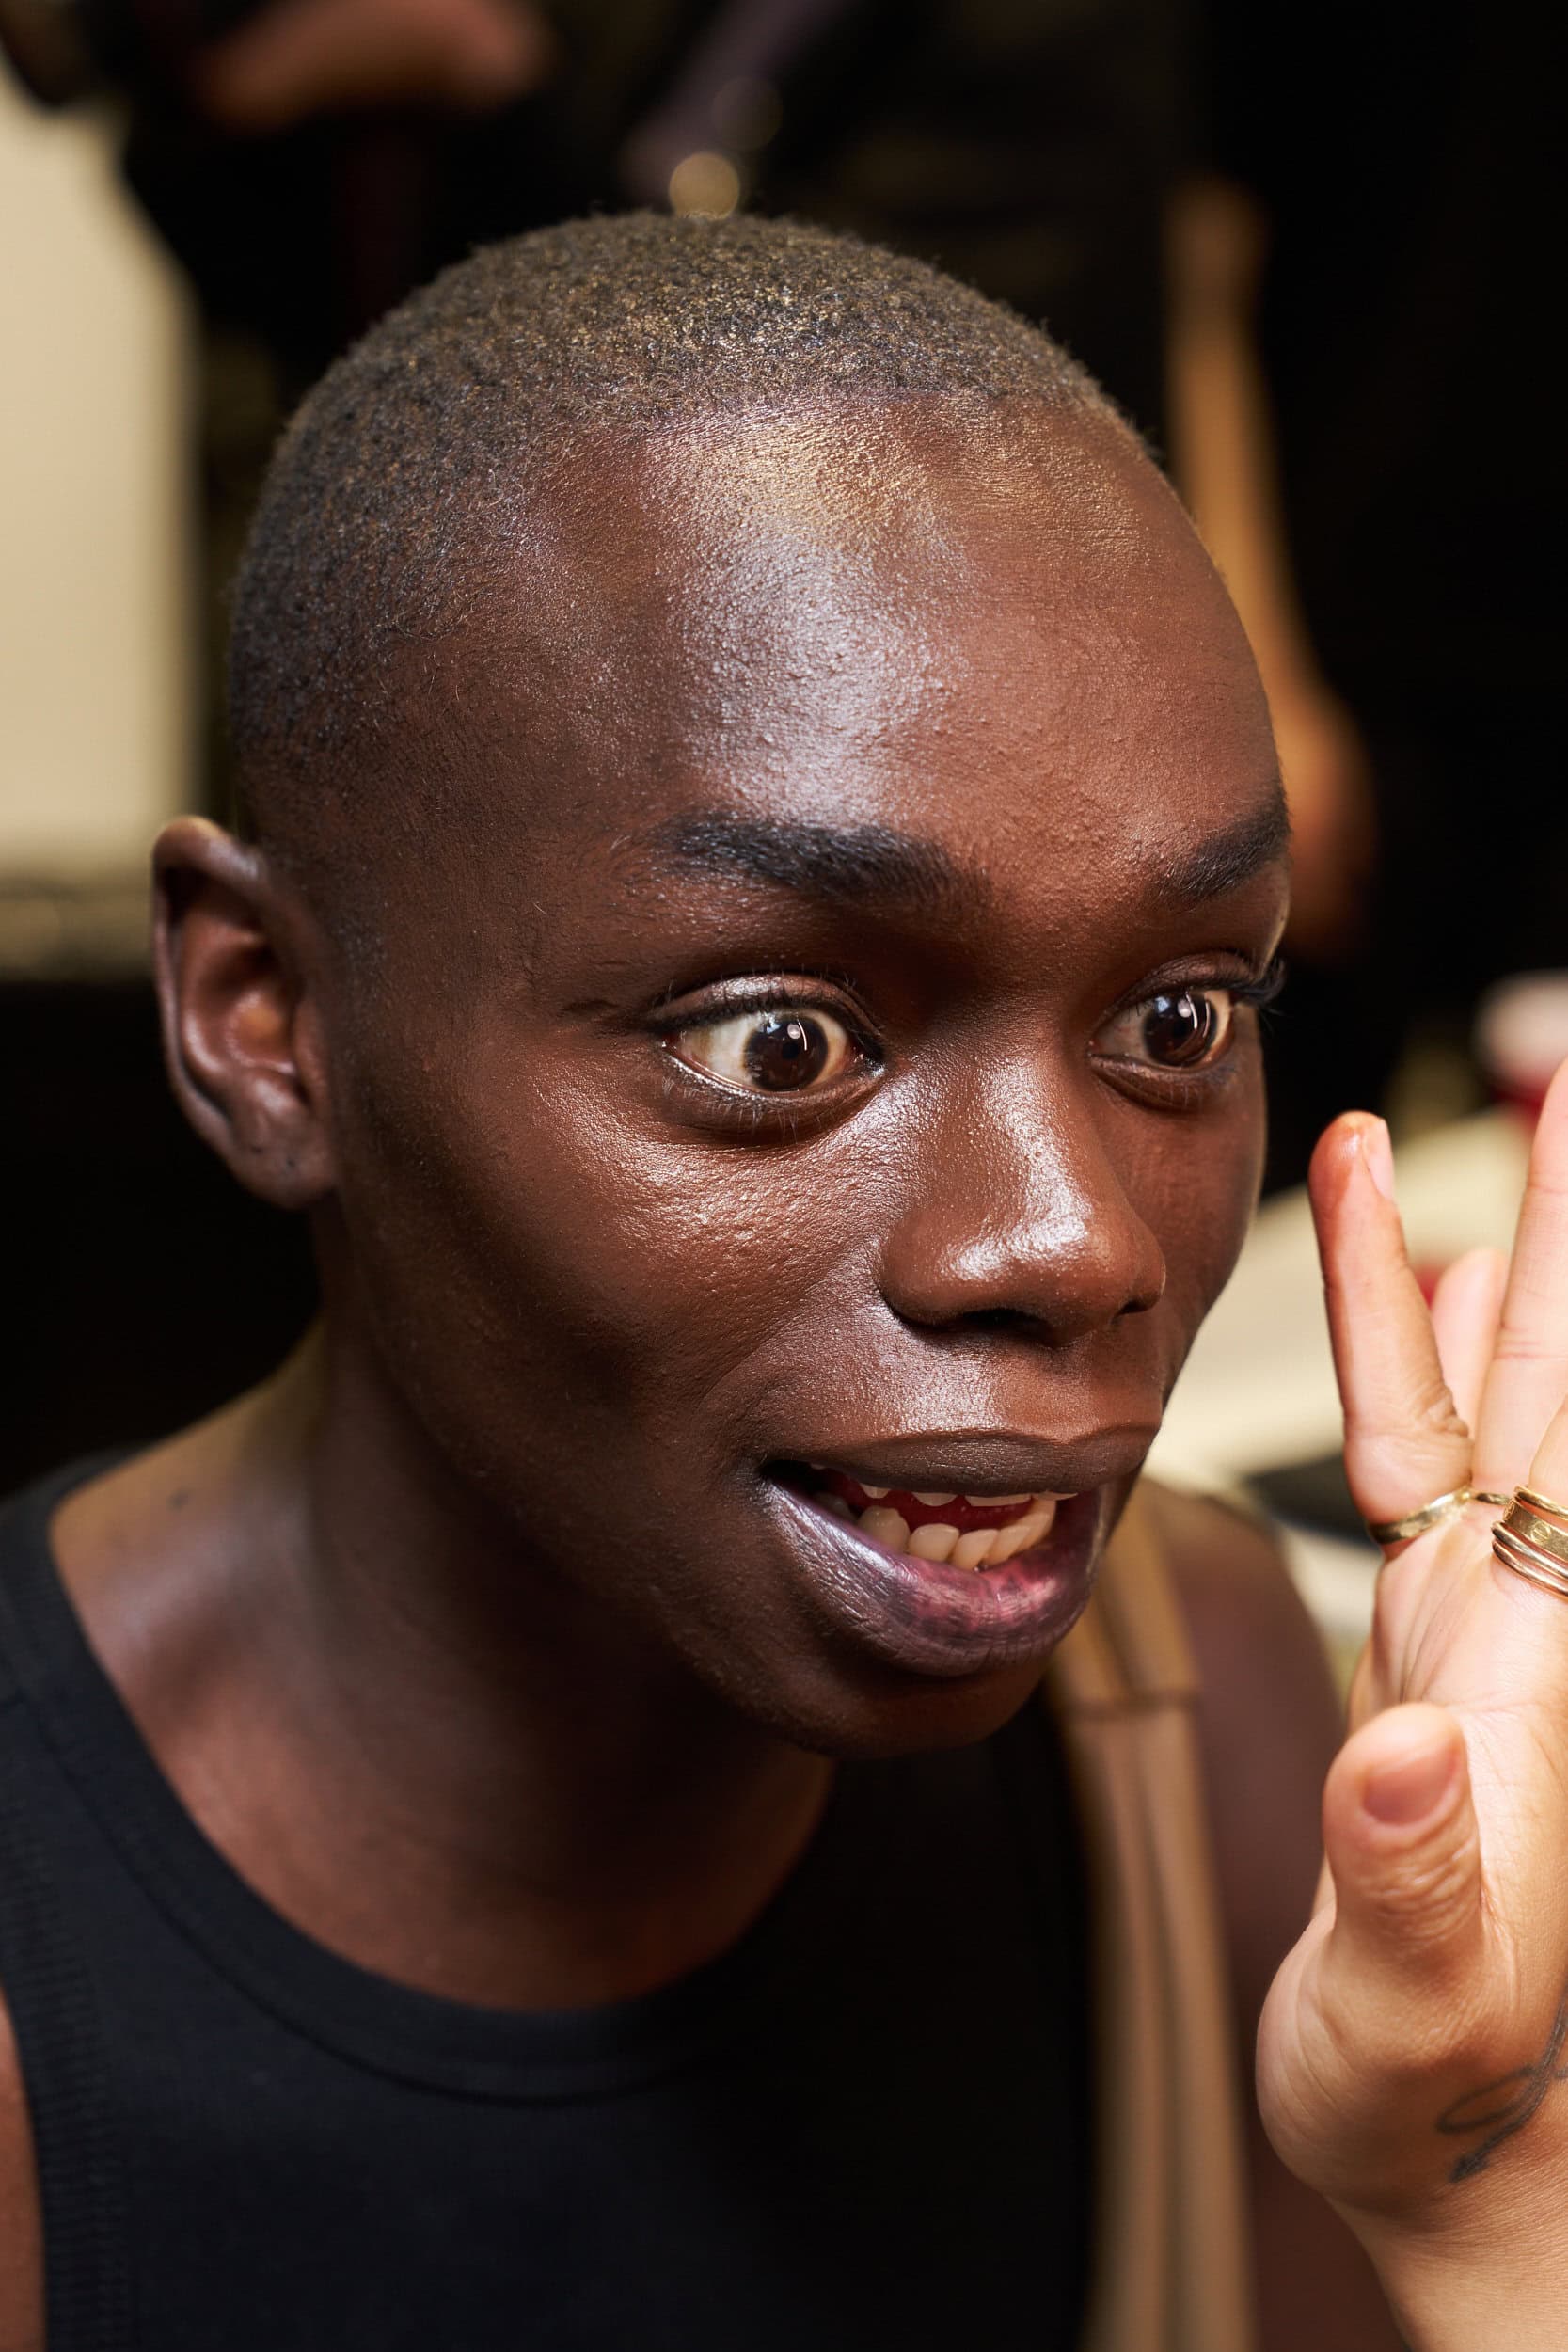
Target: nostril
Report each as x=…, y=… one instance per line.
x=1059, y=1319
x=1141, y=1305
x=1002, y=1319
x=1024, y=1322
x=966, y=1322
x=1149, y=1292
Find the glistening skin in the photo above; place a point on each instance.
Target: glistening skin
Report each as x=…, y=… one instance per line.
x=929, y=731
x=850, y=1072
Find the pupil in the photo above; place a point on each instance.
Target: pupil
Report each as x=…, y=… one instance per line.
x=1179, y=1029
x=783, y=1053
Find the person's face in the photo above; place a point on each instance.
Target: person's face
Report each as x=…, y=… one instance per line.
x=818, y=1058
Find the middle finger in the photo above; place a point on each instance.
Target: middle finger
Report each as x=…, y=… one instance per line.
x=1528, y=1376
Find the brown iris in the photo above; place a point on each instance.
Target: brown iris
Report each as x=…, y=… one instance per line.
x=1179, y=1030
x=784, y=1048
x=787, y=1050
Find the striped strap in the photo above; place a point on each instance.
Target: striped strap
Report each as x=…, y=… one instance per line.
x=1172, y=2268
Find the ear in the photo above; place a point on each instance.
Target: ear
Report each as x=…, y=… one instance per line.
x=241, y=1035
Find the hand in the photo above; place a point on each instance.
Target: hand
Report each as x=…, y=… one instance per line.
x=302, y=57
x=1413, y=2060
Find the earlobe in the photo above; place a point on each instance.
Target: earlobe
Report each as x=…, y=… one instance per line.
x=238, y=1023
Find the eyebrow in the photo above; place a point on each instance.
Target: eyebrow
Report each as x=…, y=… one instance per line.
x=857, y=864
x=850, y=865
x=1227, y=859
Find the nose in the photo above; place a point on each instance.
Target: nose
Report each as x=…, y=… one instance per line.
x=1017, y=1213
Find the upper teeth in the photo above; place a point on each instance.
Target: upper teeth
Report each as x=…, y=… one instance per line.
x=982, y=1547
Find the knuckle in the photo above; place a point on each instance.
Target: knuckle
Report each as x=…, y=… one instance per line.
x=1423, y=1417
x=1424, y=2044
x=1532, y=1351
x=1430, y=1898
x=1435, y=1413
x=1390, y=1480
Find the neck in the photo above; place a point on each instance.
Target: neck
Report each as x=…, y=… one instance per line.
x=423, y=1751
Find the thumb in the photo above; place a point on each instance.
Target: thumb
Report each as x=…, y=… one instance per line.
x=1402, y=1844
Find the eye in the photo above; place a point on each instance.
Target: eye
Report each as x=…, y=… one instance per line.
x=1178, y=1029
x=782, y=1049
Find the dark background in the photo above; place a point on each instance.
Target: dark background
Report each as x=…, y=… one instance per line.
x=1401, y=159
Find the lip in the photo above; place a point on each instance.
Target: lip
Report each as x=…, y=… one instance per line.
x=922, y=1617
x=980, y=1461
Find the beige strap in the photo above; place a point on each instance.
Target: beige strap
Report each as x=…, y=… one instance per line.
x=1171, y=2271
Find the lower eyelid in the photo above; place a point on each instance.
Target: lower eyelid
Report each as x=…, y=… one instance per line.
x=862, y=1064
x=720, y=1101
x=1213, y=1070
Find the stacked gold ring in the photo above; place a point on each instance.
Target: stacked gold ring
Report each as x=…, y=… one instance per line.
x=1531, y=1538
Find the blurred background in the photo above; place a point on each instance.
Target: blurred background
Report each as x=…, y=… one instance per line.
x=1306, y=251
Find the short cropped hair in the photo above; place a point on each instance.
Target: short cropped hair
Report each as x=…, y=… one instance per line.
x=405, y=478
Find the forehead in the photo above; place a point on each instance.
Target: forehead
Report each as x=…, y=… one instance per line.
x=991, y=629
x=807, y=600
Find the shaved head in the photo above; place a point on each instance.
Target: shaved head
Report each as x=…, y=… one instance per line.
x=415, y=506
x=770, y=855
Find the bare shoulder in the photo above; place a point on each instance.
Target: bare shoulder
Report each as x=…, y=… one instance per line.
x=1269, y=1725
x=20, y=2234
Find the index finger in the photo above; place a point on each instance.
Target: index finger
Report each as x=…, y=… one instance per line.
x=1405, y=1442
x=1529, y=1379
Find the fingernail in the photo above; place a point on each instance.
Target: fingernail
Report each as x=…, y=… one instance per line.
x=1378, y=1152
x=1408, y=1788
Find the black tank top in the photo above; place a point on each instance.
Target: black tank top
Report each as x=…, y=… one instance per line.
x=864, y=2129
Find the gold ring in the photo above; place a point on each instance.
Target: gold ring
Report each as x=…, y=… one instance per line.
x=1540, y=1535
x=1430, y=1515
x=1529, y=1560
x=1533, y=1502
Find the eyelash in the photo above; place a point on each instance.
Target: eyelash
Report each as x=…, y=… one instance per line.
x=778, y=1113
x=1177, y=1090
x=1264, y=990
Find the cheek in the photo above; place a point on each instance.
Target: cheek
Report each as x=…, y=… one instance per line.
x=1196, y=1184
x=546, y=1281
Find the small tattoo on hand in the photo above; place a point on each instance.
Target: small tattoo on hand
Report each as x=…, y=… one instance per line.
x=1502, y=2108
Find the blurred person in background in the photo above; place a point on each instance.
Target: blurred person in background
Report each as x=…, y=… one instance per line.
x=1409, y=188
x=311, y=160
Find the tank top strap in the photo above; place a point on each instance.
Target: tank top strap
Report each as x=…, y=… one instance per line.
x=1171, y=2270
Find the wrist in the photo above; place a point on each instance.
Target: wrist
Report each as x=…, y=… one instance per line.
x=1491, y=2296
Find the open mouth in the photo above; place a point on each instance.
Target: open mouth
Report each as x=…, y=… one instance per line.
x=961, y=1531
x=956, y=1580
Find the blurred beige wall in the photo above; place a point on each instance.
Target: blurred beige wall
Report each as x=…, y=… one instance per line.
x=96, y=658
